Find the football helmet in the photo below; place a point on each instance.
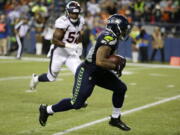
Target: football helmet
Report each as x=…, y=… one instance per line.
x=74, y=8
x=119, y=25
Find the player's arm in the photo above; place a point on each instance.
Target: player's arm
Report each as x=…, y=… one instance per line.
x=102, y=55
x=57, y=37
x=79, y=39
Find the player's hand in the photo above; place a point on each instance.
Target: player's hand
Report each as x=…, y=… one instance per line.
x=79, y=45
x=69, y=45
x=120, y=67
x=119, y=71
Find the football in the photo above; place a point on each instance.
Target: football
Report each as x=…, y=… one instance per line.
x=118, y=60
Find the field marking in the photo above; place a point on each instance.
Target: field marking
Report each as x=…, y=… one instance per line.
x=123, y=113
x=26, y=58
x=130, y=64
x=157, y=75
x=153, y=65
x=28, y=77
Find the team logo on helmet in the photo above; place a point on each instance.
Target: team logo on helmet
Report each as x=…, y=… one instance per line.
x=73, y=7
x=119, y=25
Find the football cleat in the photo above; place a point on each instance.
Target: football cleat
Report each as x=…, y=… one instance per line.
x=43, y=115
x=85, y=104
x=116, y=122
x=34, y=81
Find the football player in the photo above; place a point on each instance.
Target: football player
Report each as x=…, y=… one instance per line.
x=66, y=40
x=97, y=70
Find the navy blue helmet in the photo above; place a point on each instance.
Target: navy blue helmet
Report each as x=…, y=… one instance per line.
x=119, y=25
x=73, y=7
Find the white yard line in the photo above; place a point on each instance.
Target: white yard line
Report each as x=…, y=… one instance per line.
x=129, y=64
x=153, y=65
x=124, y=113
x=26, y=58
x=28, y=77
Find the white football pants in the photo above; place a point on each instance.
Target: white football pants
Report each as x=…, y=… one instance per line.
x=62, y=56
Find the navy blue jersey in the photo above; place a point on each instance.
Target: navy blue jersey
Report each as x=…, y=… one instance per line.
x=106, y=38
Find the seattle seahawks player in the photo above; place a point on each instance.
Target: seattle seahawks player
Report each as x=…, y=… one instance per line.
x=96, y=70
x=66, y=40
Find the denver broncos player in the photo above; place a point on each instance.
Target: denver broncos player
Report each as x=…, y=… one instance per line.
x=97, y=70
x=66, y=40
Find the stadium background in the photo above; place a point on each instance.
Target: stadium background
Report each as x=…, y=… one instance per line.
x=145, y=13
x=148, y=84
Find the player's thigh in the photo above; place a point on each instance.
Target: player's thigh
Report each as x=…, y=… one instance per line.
x=58, y=58
x=83, y=85
x=72, y=63
x=110, y=81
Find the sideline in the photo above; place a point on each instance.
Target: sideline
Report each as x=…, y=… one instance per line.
x=129, y=64
x=123, y=113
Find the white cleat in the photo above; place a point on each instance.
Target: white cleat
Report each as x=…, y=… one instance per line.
x=34, y=81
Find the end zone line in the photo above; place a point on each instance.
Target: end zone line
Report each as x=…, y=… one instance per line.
x=123, y=113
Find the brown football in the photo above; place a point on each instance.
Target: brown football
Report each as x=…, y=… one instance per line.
x=118, y=60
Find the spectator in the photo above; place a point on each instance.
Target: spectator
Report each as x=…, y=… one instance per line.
x=47, y=37
x=39, y=26
x=157, y=43
x=4, y=33
x=134, y=43
x=157, y=13
x=139, y=10
x=21, y=30
x=143, y=45
x=93, y=7
x=111, y=7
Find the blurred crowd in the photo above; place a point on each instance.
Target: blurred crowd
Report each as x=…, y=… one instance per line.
x=40, y=15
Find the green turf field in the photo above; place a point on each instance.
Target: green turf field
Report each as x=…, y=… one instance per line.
x=146, y=84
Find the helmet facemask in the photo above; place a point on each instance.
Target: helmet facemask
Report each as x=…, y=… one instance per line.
x=73, y=7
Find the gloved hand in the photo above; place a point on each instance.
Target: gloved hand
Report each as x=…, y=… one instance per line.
x=69, y=45
x=120, y=66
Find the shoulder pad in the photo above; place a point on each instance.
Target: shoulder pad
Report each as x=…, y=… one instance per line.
x=82, y=20
x=108, y=39
x=61, y=22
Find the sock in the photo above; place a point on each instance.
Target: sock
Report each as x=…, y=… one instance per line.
x=116, y=112
x=63, y=105
x=49, y=109
x=36, y=78
x=43, y=78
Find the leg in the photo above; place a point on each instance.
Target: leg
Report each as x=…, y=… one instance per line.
x=73, y=62
x=162, y=54
x=4, y=44
x=141, y=53
x=153, y=54
x=119, y=88
x=38, y=48
x=135, y=56
x=20, y=47
x=110, y=81
x=58, y=58
x=82, y=89
x=146, y=54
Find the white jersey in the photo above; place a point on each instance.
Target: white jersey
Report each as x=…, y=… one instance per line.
x=72, y=32
x=67, y=56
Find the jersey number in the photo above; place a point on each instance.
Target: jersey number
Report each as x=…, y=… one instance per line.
x=72, y=37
